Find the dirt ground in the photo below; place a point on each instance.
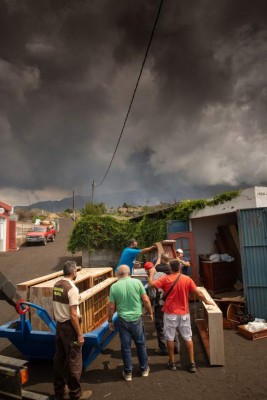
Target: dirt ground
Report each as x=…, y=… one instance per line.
x=242, y=377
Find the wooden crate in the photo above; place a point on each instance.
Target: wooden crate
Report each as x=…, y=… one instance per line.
x=42, y=292
x=252, y=335
x=211, y=331
x=94, y=305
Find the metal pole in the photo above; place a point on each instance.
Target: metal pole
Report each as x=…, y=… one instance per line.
x=73, y=206
x=93, y=192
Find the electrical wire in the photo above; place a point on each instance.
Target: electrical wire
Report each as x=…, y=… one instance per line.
x=133, y=96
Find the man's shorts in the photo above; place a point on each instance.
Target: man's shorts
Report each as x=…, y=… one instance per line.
x=173, y=322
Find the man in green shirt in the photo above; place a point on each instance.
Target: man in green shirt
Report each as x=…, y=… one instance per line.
x=128, y=296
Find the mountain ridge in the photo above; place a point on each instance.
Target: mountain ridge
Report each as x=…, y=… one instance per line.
x=111, y=200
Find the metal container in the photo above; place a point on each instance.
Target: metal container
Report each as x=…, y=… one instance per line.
x=252, y=227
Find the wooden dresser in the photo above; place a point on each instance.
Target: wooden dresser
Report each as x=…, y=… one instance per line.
x=218, y=276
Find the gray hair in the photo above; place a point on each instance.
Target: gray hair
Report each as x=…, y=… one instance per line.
x=123, y=270
x=69, y=268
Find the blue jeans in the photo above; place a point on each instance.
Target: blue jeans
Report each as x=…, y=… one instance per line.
x=128, y=331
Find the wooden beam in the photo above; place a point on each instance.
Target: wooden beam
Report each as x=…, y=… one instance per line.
x=96, y=289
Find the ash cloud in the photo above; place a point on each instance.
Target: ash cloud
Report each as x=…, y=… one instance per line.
x=67, y=74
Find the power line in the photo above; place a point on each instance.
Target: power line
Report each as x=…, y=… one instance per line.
x=131, y=102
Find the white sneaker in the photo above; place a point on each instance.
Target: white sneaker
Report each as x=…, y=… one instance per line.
x=146, y=372
x=127, y=377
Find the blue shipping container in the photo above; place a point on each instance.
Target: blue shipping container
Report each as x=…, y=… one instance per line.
x=252, y=226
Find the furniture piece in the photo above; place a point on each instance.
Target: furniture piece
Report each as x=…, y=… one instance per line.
x=167, y=247
x=40, y=292
x=218, y=276
x=243, y=330
x=211, y=331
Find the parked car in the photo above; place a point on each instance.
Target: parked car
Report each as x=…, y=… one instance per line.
x=41, y=234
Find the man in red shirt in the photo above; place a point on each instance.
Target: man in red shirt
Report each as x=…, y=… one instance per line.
x=176, y=309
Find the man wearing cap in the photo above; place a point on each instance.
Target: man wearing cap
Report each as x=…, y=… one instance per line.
x=183, y=260
x=130, y=253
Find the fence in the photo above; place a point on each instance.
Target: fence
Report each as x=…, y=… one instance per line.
x=22, y=228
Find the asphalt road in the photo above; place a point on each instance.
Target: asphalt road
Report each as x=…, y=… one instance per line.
x=242, y=377
x=30, y=262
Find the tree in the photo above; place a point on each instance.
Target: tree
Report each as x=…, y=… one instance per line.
x=93, y=209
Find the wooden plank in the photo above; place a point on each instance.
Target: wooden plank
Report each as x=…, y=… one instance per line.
x=23, y=288
x=213, y=325
x=235, y=236
x=202, y=329
x=96, y=289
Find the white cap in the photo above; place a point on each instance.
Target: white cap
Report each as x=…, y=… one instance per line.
x=180, y=251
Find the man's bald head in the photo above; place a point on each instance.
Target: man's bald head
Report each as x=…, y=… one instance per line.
x=123, y=270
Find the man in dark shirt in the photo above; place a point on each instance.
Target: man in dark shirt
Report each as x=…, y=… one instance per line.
x=162, y=269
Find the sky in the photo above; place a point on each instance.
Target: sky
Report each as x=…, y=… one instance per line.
x=68, y=69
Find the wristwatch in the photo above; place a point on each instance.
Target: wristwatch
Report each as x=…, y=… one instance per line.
x=110, y=320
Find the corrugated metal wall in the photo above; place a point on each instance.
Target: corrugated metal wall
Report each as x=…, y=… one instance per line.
x=252, y=226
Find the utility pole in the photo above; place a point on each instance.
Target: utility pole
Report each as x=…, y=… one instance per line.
x=93, y=192
x=73, y=206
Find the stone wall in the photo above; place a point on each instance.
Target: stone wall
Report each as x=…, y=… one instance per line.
x=100, y=258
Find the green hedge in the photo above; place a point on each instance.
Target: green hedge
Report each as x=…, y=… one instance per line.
x=96, y=232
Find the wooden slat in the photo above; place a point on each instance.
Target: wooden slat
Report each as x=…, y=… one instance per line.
x=94, y=290
x=202, y=329
x=235, y=236
x=23, y=288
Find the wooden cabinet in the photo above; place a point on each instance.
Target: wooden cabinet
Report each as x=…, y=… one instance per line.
x=211, y=331
x=218, y=276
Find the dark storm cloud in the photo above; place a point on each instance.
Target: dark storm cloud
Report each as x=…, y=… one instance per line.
x=67, y=73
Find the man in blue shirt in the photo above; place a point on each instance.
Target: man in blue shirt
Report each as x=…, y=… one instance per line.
x=130, y=253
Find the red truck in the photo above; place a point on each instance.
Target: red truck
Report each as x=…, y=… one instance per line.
x=41, y=234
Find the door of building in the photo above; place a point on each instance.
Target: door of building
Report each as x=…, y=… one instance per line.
x=2, y=234
x=186, y=242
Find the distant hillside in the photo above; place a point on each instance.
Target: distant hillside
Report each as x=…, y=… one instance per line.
x=115, y=199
